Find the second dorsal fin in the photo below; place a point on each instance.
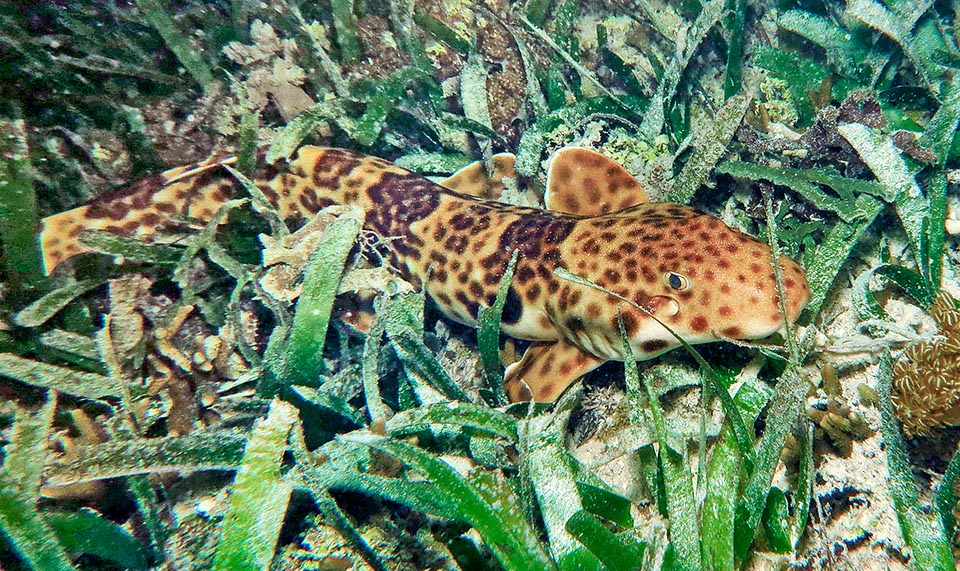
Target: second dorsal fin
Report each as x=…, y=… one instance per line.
x=584, y=182
x=475, y=180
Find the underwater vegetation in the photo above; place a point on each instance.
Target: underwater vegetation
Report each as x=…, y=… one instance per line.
x=224, y=396
x=925, y=377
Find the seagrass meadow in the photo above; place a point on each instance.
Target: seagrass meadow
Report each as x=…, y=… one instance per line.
x=242, y=392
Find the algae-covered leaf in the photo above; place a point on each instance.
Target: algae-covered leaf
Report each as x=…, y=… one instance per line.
x=655, y=115
x=41, y=310
x=582, y=71
x=466, y=415
x=28, y=533
x=259, y=497
x=617, y=553
x=806, y=471
x=150, y=456
x=387, y=93
x=432, y=163
x=345, y=23
x=19, y=221
x=913, y=283
x=301, y=126
x=492, y=520
x=946, y=497
x=130, y=248
x=488, y=334
x=26, y=454
x=922, y=530
x=302, y=358
x=878, y=152
x=680, y=501
x=494, y=488
x=157, y=14
x=91, y=534
x=843, y=49
x=941, y=130
x=534, y=139
x=77, y=383
x=711, y=142
x=723, y=482
x=602, y=502
x=426, y=497
x=919, y=42
x=404, y=327
x=442, y=31
x=806, y=181
x=823, y=262
x=775, y=521
x=799, y=73
x=552, y=474
x=784, y=409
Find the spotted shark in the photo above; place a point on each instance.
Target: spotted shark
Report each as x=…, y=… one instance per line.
x=678, y=266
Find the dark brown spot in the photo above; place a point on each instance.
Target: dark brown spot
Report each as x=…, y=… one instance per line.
x=461, y=222
x=732, y=332
x=593, y=311
x=524, y=274
x=575, y=325
x=533, y=292
x=472, y=306
x=654, y=346
x=725, y=311
x=456, y=244
x=150, y=219
x=476, y=290
x=438, y=257
x=630, y=324
x=699, y=324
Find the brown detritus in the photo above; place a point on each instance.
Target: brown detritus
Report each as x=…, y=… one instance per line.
x=88, y=432
x=861, y=106
x=836, y=418
x=926, y=377
x=506, y=82
x=908, y=143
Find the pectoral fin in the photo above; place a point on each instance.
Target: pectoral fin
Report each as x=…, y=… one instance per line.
x=584, y=182
x=546, y=370
x=475, y=180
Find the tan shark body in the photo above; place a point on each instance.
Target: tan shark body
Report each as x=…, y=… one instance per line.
x=704, y=279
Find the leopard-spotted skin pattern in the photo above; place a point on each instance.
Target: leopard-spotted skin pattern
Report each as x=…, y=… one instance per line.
x=704, y=279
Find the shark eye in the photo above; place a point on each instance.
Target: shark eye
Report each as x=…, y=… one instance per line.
x=676, y=281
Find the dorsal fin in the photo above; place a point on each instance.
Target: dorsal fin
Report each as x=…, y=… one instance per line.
x=474, y=180
x=584, y=182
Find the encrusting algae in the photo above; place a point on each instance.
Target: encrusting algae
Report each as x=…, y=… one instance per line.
x=926, y=378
